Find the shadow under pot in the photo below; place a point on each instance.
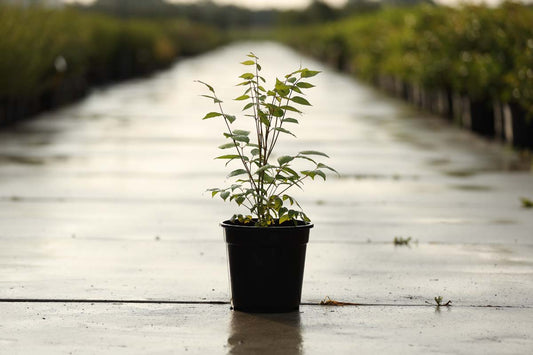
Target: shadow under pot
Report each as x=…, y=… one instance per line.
x=266, y=266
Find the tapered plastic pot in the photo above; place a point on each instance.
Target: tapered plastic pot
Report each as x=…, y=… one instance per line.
x=266, y=266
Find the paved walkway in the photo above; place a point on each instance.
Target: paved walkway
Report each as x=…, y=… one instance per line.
x=108, y=243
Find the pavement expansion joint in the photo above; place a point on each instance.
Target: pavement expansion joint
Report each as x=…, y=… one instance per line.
x=207, y=302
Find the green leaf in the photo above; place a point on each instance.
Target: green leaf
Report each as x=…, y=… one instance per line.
x=255, y=151
x=211, y=114
x=248, y=105
x=285, y=159
x=230, y=118
x=268, y=179
x=526, y=203
x=244, y=139
x=287, y=197
x=284, y=218
x=282, y=211
x=321, y=174
x=280, y=129
x=324, y=166
x=227, y=145
x=313, y=152
x=235, y=186
x=264, y=168
x=290, y=108
x=248, y=62
x=304, y=85
x=237, y=172
x=247, y=76
x=306, y=73
x=300, y=100
x=206, y=84
x=292, y=214
x=264, y=119
x=240, y=132
x=306, y=158
x=290, y=120
x=291, y=80
x=290, y=171
x=214, y=192
x=282, y=89
x=296, y=89
x=281, y=179
x=242, y=97
x=276, y=202
x=240, y=199
x=215, y=100
x=275, y=110
x=225, y=195
x=228, y=156
x=309, y=173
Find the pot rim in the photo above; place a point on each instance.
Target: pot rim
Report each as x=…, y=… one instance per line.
x=305, y=225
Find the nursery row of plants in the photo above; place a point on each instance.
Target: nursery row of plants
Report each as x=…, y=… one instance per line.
x=50, y=56
x=473, y=64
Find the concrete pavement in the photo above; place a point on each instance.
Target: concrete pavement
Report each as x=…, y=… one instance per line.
x=108, y=243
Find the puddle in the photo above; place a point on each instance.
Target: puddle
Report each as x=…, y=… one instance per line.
x=379, y=177
x=467, y=187
x=439, y=162
x=501, y=254
x=39, y=143
x=29, y=160
x=462, y=173
x=503, y=221
x=21, y=160
x=411, y=139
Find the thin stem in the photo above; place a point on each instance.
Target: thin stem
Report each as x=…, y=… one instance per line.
x=276, y=133
x=254, y=91
x=237, y=146
x=294, y=183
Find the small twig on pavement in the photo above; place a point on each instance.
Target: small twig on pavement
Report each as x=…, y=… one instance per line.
x=329, y=302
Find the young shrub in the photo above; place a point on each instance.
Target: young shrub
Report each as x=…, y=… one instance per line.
x=261, y=184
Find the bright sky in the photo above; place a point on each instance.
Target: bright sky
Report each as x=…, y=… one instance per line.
x=291, y=4
x=253, y=4
x=265, y=4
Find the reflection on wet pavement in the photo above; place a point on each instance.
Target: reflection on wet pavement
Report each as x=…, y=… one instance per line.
x=251, y=333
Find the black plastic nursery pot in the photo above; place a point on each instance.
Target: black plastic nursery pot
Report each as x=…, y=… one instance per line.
x=266, y=266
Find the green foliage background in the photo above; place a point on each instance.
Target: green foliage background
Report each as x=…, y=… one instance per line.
x=96, y=49
x=482, y=52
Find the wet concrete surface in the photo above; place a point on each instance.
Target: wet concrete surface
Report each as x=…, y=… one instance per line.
x=162, y=270
x=85, y=328
x=104, y=201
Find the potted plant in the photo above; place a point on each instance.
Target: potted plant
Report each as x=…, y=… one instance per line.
x=266, y=246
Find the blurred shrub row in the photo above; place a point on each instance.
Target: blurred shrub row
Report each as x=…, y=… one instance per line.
x=49, y=57
x=473, y=64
